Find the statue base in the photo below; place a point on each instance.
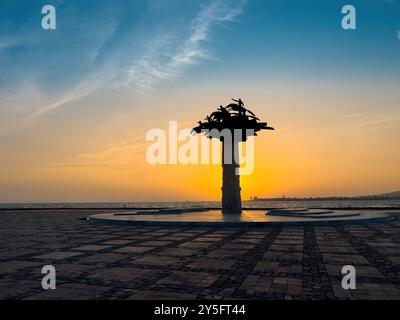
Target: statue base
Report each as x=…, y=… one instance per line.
x=231, y=199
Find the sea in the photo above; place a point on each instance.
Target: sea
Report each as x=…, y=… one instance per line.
x=261, y=204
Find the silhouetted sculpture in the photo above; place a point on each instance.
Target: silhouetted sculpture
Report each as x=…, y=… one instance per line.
x=223, y=119
x=239, y=107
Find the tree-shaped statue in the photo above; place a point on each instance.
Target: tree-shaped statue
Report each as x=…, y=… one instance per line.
x=225, y=124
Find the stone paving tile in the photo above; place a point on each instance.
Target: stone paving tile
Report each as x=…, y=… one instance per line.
x=225, y=254
x=345, y=259
x=138, y=237
x=158, y=260
x=58, y=255
x=195, y=245
x=53, y=246
x=155, y=243
x=132, y=249
x=187, y=234
x=69, y=270
x=117, y=242
x=266, y=266
x=215, y=235
x=18, y=288
x=187, y=279
x=395, y=260
x=169, y=229
x=120, y=274
x=154, y=234
x=92, y=247
x=282, y=255
x=286, y=247
x=254, y=235
x=255, y=284
x=179, y=252
x=218, y=264
x=389, y=251
x=103, y=258
x=72, y=291
x=12, y=266
x=207, y=239
x=278, y=267
x=382, y=244
x=15, y=254
x=247, y=240
x=237, y=246
x=361, y=271
x=327, y=249
x=172, y=238
x=136, y=262
x=226, y=231
x=161, y=295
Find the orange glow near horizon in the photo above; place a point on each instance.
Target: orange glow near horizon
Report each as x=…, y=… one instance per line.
x=76, y=103
x=313, y=152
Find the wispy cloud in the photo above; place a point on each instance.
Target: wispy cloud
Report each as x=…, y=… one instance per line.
x=362, y=120
x=351, y=115
x=6, y=43
x=115, y=58
x=121, y=155
x=152, y=67
x=378, y=122
x=85, y=87
x=70, y=96
x=50, y=70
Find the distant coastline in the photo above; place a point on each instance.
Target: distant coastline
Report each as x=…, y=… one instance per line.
x=385, y=196
x=331, y=203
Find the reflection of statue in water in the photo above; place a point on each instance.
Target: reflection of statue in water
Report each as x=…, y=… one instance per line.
x=233, y=116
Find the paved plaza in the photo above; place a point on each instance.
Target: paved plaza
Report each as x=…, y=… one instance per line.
x=101, y=261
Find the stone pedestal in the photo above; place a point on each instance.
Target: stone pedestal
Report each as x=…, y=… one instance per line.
x=231, y=199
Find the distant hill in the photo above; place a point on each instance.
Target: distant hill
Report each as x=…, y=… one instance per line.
x=395, y=194
x=382, y=196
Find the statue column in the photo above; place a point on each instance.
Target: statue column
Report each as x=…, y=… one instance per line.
x=231, y=199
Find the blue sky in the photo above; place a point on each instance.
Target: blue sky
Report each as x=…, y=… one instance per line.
x=137, y=45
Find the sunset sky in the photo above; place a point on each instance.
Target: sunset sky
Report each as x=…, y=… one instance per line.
x=76, y=102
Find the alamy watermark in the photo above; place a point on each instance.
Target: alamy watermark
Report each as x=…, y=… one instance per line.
x=183, y=147
x=49, y=21
x=349, y=20
x=49, y=280
x=349, y=277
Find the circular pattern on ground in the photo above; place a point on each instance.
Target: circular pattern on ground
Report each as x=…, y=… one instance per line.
x=204, y=217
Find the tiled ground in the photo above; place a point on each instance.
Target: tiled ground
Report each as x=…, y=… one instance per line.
x=115, y=262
